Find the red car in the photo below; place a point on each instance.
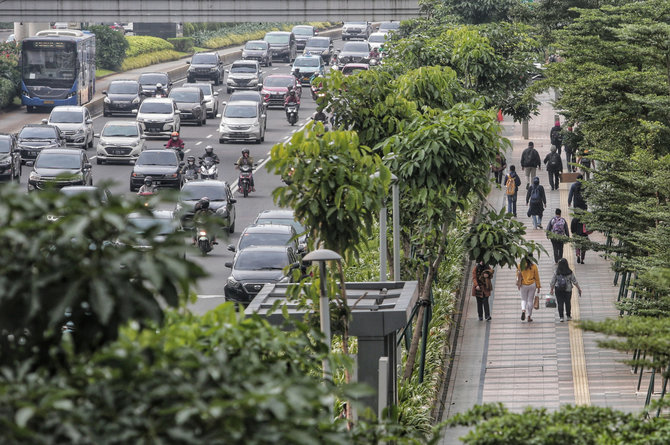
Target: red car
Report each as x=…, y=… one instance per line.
x=276, y=86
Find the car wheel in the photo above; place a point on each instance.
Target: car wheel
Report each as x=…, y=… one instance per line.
x=30, y=109
x=263, y=138
x=105, y=114
x=270, y=61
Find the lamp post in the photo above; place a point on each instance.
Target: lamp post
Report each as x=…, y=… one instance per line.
x=395, y=194
x=321, y=256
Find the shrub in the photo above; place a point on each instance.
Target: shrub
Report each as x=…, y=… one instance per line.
x=182, y=44
x=8, y=90
x=143, y=60
x=9, y=73
x=146, y=44
x=110, y=47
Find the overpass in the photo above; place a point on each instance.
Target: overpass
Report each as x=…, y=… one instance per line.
x=166, y=11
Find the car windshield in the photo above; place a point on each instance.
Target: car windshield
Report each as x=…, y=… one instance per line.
x=4, y=145
x=188, y=96
x=194, y=191
x=389, y=26
x=352, y=70
x=283, y=221
x=57, y=160
x=143, y=224
x=123, y=88
x=119, y=131
x=240, y=111
x=261, y=260
x=256, y=45
x=277, y=38
x=167, y=157
x=356, y=47
x=153, y=79
x=156, y=108
x=264, y=239
x=379, y=38
x=317, y=43
x=243, y=68
x=204, y=59
x=244, y=95
x=66, y=117
x=286, y=82
x=303, y=30
x=38, y=133
x=356, y=23
x=307, y=61
x=205, y=88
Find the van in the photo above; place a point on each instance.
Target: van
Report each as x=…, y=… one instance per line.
x=282, y=45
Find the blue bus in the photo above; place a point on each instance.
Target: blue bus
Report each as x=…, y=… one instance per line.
x=57, y=68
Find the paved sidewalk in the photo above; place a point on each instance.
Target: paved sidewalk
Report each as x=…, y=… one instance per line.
x=544, y=363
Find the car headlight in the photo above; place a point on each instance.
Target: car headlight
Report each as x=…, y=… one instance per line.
x=106, y=100
x=79, y=131
x=5, y=161
x=178, y=208
x=212, y=69
x=136, y=100
x=232, y=282
x=197, y=108
x=103, y=143
x=34, y=176
x=255, y=124
x=230, y=81
x=285, y=280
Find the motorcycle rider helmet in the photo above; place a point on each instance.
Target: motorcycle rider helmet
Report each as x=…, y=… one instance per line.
x=245, y=151
x=203, y=203
x=209, y=150
x=174, y=135
x=190, y=160
x=148, y=181
x=159, y=86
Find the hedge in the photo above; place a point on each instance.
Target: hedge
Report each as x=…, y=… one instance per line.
x=182, y=44
x=143, y=60
x=146, y=44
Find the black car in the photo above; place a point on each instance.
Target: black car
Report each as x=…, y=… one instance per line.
x=161, y=164
x=60, y=167
x=123, y=96
x=322, y=46
x=256, y=266
x=33, y=138
x=257, y=50
x=354, y=52
x=191, y=104
x=10, y=158
x=148, y=82
x=208, y=66
x=221, y=201
x=266, y=235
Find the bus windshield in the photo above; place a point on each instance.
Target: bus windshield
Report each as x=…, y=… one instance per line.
x=53, y=65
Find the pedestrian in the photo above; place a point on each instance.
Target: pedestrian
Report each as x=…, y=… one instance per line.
x=579, y=229
x=554, y=167
x=561, y=284
x=481, y=288
x=556, y=229
x=555, y=136
x=512, y=183
x=530, y=162
x=571, y=140
x=528, y=282
x=576, y=196
x=498, y=167
x=536, y=201
x=585, y=163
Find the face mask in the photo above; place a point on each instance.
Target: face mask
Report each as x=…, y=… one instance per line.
x=174, y=138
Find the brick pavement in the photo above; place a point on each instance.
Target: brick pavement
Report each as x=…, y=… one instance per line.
x=544, y=363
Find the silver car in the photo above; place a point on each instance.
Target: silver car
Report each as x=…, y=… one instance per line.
x=75, y=123
x=211, y=97
x=159, y=117
x=356, y=30
x=244, y=75
x=243, y=120
x=120, y=141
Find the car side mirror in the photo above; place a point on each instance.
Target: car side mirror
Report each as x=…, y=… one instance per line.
x=233, y=200
x=177, y=112
x=188, y=62
x=104, y=92
x=89, y=121
x=96, y=135
x=45, y=121
x=226, y=71
x=87, y=166
x=228, y=264
x=134, y=111
x=263, y=116
x=216, y=93
x=231, y=248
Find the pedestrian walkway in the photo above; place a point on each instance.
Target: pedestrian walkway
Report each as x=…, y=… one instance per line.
x=544, y=363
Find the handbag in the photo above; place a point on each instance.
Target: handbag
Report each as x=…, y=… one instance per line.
x=536, y=302
x=549, y=301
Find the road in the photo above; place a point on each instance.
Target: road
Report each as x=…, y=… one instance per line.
x=209, y=289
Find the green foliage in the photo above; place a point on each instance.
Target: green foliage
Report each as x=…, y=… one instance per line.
x=333, y=190
x=10, y=75
x=481, y=11
x=112, y=282
x=148, y=59
x=138, y=45
x=182, y=44
x=110, y=47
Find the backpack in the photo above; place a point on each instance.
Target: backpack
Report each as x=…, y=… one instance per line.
x=561, y=282
x=558, y=226
x=525, y=158
x=554, y=162
x=510, y=185
x=535, y=195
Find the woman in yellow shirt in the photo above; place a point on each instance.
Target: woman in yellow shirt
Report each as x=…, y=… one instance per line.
x=527, y=281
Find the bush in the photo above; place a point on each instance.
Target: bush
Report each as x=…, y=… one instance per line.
x=9, y=73
x=182, y=44
x=143, y=60
x=110, y=47
x=8, y=91
x=146, y=44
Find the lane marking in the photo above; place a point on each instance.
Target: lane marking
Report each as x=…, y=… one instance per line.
x=209, y=136
x=211, y=296
x=198, y=143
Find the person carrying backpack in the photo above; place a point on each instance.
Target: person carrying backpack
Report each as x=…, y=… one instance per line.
x=536, y=201
x=557, y=227
x=481, y=288
x=561, y=284
x=498, y=167
x=576, y=195
x=530, y=162
x=556, y=136
x=554, y=167
x=585, y=164
x=512, y=183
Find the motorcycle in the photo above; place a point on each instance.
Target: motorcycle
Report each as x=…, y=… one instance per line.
x=292, y=113
x=204, y=242
x=145, y=197
x=179, y=150
x=208, y=168
x=190, y=174
x=244, y=181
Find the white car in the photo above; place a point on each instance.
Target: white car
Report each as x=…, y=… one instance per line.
x=75, y=124
x=377, y=40
x=211, y=97
x=243, y=120
x=158, y=116
x=356, y=30
x=121, y=141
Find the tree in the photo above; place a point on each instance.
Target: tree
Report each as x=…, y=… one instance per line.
x=479, y=11
x=110, y=47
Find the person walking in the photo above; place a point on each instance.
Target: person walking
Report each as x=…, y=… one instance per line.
x=575, y=195
x=571, y=140
x=561, y=284
x=528, y=283
x=481, y=288
x=530, y=162
x=512, y=183
x=556, y=228
x=585, y=163
x=536, y=200
x=498, y=167
x=554, y=167
x=556, y=136
x=579, y=229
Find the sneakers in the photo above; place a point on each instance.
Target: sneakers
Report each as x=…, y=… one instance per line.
x=529, y=319
x=561, y=320
x=523, y=315
x=488, y=318
x=481, y=318
x=569, y=318
x=540, y=226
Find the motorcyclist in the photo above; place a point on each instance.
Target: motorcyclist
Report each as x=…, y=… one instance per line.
x=177, y=144
x=320, y=116
x=209, y=153
x=201, y=218
x=190, y=165
x=374, y=54
x=160, y=91
x=148, y=186
x=246, y=159
x=292, y=99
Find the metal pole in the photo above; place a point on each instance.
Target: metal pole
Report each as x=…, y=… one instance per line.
x=324, y=312
x=396, y=231
x=382, y=244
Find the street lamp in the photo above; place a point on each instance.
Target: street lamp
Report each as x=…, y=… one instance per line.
x=396, y=232
x=321, y=256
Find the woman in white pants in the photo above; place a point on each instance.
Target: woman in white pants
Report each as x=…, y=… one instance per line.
x=528, y=282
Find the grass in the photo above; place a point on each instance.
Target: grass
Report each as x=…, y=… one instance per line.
x=99, y=72
x=131, y=63
x=199, y=49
